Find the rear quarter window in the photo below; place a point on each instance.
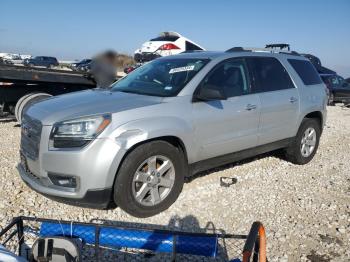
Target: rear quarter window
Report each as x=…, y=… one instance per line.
x=306, y=71
x=191, y=47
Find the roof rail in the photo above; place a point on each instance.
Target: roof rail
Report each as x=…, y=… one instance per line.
x=290, y=53
x=237, y=49
x=266, y=49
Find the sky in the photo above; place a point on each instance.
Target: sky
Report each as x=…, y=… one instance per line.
x=78, y=29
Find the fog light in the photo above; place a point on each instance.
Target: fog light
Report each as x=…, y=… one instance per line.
x=63, y=181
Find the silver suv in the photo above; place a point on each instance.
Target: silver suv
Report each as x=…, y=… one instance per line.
x=133, y=145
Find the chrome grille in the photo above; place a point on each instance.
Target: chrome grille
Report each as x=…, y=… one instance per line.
x=30, y=137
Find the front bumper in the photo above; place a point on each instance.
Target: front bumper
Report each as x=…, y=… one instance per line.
x=145, y=57
x=97, y=198
x=93, y=166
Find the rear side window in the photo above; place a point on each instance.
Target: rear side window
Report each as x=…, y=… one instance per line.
x=335, y=81
x=306, y=71
x=268, y=75
x=190, y=46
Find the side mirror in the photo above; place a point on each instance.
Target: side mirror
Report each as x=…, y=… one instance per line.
x=208, y=92
x=345, y=84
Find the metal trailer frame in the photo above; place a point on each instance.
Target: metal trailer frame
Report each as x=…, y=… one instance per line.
x=17, y=81
x=254, y=248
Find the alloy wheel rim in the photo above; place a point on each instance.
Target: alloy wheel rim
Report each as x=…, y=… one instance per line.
x=153, y=180
x=308, y=142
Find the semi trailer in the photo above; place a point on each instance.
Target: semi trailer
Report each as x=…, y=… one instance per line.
x=22, y=86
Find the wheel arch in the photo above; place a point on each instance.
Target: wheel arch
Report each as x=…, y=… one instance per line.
x=171, y=139
x=316, y=115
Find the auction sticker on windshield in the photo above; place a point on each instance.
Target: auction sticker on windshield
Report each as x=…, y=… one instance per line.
x=181, y=69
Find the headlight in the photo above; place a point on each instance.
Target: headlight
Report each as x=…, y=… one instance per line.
x=78, y=132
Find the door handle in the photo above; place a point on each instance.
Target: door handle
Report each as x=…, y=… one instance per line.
x=250, y=107
x=293, y=99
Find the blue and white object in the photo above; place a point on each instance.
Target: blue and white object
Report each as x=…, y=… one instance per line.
x=136, y=238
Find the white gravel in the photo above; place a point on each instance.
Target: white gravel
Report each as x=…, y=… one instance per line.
x=305, y=209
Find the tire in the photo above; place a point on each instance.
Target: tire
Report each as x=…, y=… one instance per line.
x=295, y=152
x=30, y=99
x=330, y=101
x=18, y=104
x=124, y=187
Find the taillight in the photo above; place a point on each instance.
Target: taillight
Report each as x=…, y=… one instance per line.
x=168, y=47
x=130, y=69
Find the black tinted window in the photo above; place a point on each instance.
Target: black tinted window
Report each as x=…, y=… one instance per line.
x=229, y=76
x=169, y=38
x=325, y=79
x=268, y=74
x=190, y=46
x=306, y=71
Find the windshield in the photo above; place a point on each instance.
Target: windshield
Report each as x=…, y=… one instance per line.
x=161, y=77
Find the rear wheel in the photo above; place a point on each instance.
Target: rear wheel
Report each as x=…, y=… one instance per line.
x=150, y=179
x=305, y=144
x=330, y=101
x=28, y=100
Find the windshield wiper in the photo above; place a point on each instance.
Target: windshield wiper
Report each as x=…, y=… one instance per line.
x=139, y=93
x=131, y=92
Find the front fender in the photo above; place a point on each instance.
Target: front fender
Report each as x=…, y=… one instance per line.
x=137, y=131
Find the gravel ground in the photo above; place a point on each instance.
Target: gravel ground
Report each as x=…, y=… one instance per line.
x=305, y=209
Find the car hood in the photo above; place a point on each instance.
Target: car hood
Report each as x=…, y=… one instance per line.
x=88, y=102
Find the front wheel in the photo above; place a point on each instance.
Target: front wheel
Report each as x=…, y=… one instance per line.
x=305, y=144
x=150, y=179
